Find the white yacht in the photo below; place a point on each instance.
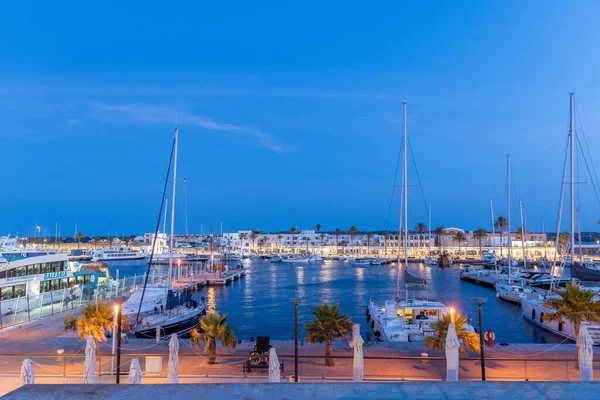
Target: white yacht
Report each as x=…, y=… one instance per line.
x=489, y=257
x=296, y=259
x=513, y=293
x=117, y=255
x=430, y=261
x=276, y=258
x=404, y=320
x=533, y=311
x=155, y=301
x=30, y=279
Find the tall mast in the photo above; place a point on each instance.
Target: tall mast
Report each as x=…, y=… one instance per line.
x=429, y=233
x=403, y=208
x=494, y=234
x=523, y=234
x=405, y=193
x=173, y=206
x=508, y=212
x=572, y=173
x=165, y=216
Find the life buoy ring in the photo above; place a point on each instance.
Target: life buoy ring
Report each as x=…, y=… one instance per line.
x=486, y=336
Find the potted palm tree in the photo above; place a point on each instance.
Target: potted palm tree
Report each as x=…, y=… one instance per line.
x=573, y=304
x=328, y=324
x=214, y=329
x=469, y=340
x=95, y=320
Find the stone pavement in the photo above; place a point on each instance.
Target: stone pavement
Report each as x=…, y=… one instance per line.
x=404, y=390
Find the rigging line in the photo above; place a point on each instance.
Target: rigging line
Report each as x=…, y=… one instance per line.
x=417, y=173
x=586, y=145
x=588, y=170
x=387, y=222
x=162, y=202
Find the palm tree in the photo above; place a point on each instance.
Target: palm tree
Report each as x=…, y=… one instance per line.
x=353, y=231
x=369, y=236
x=439, y=232
x=470, y=340
x=386, y=235
x=253, y=236
x=343, y=243
x=293, y=231
x=318, y=227
x=421, y=228
x=213, y=329
x=280, y=236
x=95, y=320
x=78, y=237
x=306, y=239
x=94, y=242
x=563, y=242
x=337, y=233
x=261, y=243
x=574, y=304
x=243, y=237
x=328, y=324
x=500, y=224
x=322, y=237
x=479, y=234
x=460, y=238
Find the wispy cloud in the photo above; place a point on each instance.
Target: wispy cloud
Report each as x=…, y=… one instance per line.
x=73, y=122
x=148, y=114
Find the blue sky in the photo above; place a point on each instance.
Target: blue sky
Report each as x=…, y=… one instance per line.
x=290, y=114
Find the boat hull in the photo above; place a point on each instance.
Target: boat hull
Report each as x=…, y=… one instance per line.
x=583, y=273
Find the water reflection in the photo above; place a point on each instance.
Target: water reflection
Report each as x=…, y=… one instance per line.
x=211, y=300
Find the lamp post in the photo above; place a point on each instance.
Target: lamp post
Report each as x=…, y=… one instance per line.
x=295, y=302
x=114, y=337
x=480, y=301
x=119, y=328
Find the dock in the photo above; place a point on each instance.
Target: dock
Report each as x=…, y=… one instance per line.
x=216, y=278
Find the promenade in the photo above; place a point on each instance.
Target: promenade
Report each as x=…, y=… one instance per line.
x=41, y=341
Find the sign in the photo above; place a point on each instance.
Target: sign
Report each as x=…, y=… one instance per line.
x=55, y=275
x=20, y=278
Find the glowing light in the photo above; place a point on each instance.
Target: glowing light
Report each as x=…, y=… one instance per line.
x=452, y=310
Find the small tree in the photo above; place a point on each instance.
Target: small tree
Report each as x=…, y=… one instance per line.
x=95, y=320
x=293, y=231
x=214, y=329
x=460, y=238
x=439, y=232
x=480, y=234
x=369, y=235
x=328, y=324
x=470, y=340
x=500, y=224
x=574, y=304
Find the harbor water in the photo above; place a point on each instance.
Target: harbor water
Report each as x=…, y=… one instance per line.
x=259, y=303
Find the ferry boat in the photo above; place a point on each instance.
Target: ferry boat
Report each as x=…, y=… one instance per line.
x=30, y=279
x=117, y=255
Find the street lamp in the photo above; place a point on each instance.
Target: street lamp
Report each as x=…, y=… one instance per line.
x=119, y=328
x=295, y=302
x=114, y=336
x=480, y=301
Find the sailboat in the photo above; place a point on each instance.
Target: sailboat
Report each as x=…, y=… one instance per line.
x=403, y=320
x=532, y=307
x=181, y=313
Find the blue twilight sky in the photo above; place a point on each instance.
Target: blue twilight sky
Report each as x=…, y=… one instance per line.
x=291, y=113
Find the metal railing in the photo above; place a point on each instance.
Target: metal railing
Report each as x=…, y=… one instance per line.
x=376, y=368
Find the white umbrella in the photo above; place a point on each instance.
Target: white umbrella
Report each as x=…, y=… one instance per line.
x=135, y=372
x=89, y=366
x=274, y=373
x=173, y=360
x=27, y=374
x=585, y=354
x=452, y=346
x=358, y=366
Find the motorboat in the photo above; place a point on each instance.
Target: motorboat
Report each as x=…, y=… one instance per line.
x=512, y=292
x=276, y=258
x=430, y=261
x=296, y=259
x=489, y=257
x=405, y=320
